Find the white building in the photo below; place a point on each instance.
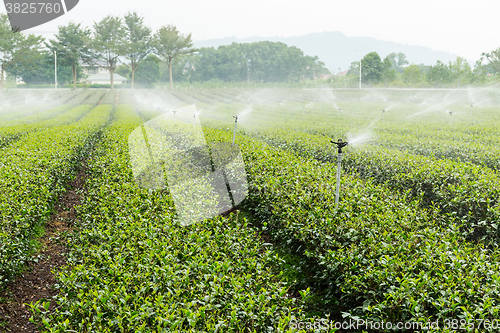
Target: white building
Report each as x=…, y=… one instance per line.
x=99, y=74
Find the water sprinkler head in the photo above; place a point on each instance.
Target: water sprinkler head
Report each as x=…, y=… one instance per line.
x=450, y=113
x=340, y=144
x=384, y=110
x=235, y=119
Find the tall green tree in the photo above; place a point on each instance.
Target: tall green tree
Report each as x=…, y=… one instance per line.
x=259, y=62
x=204, y=65
x=17, y=49
x=493, y=59
x=148, y=71
x=461, y=71
x=72, y=44
x=169, y=44
x=412, y=75
x=123, y=70
x=108, y=42
x=43, y=71
x=402, y=59
x=480, y=71
x=137, y=41
x=439, y=74
x=372, y=68
x=392, y=58
x=389, y=73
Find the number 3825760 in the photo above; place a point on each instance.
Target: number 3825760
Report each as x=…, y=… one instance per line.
x=32, y=8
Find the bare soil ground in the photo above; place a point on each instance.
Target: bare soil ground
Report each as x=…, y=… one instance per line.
x=37, y=282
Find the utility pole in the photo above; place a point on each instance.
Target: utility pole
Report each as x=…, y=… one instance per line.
x=55, y=68
x=359, y=70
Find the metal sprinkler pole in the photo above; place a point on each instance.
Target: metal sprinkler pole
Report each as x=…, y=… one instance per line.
x=340, y=144
x=234, y=133
x=451, y=115
x=383, y=114
x=194, y=120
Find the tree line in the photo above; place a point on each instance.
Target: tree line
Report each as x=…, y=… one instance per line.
x=130, y=48
x=395, y=70
x=111, y=41
x=129, y=41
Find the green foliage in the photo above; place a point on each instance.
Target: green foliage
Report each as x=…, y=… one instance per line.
x=43, y=71
x=137, y=41
x=389, y=72
x=402, y=60
x=415, y=236
x=170, y=44
x=493, y=59
x=35, y=169
x=132, y=268
x=124, y=70
x=108, y=42
x=413, y=75
x=255, y=62
x=372, y=68
x=148, y=71
x=72, y=45
x=439, y=74
x=17, y=49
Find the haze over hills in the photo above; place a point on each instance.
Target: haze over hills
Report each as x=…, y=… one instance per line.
x=337, y=50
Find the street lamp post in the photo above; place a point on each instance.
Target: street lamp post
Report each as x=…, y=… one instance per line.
x=359, y=70
x=55, y=69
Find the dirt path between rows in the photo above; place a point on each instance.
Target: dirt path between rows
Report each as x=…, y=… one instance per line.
x=38, y=280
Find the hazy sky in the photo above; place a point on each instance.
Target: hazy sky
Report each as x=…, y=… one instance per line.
x=466, y=28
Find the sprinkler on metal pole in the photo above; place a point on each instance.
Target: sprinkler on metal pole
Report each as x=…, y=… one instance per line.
x=340, y=144
x=383, y=114
x=451, y=115
x=194, y=120
x=234, y=133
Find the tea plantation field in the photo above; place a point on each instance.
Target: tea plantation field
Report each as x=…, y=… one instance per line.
x=414, y=238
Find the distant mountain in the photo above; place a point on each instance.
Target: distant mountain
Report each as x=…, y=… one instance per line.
x=337, y=50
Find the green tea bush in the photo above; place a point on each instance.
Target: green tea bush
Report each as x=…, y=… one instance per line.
x=34, y=171
x=379, y=256
x=131, y=268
